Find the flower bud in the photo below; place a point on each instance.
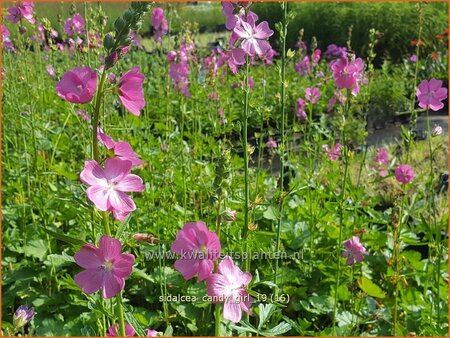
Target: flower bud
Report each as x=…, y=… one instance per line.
x=108, y=42
x=119, y=24
x=22, y=316
x=229, y=215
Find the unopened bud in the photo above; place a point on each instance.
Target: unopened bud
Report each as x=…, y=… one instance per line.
x=229, y=215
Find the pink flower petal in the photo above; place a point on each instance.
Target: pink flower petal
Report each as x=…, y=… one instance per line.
x=109, y=248
x=123, y=265
x=232, y=311
x=130, y=183
x=88, y=257
x=121, y=201
x=90, y=280
x=112, y=285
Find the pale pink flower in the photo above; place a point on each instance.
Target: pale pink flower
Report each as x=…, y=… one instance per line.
x=334, y=153
x=131, y=93
x=108, y=187
x=381, y=162
x=404, y=173
x=74, y=25
x=78, y=85
x=114, y=329
x=152, y=333
x=271, y=143
x=254, y=37
x=198, y=248
x=229, y=286
x=106, y=267
x=431, y=94
x=51, y=71
x=354, y=251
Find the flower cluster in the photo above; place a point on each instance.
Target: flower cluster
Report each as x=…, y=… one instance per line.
x=159, y=24
x=74, y=25
x=354, y=251
x=179, y=68
x=348, y=74
x=199, y=248
x=23, y=11
x=7, y=43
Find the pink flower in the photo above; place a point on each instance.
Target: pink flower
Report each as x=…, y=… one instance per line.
x=331, y=104
x=221, y=113
x=254, y=37
x=152, y=333
x=316, y=56
x=121, y=149
x=404, y=173
x=348, y=74
x=159, y=23
x=312, y=94
x=334, y=153
x=82, y=113
x=381, y=162
x=131, y=93
x=431, y=94
x=78, y=85
x=354, y=251
x=171, y=56
x=213, y=96
x=113, y=329
x=74, y=25
x=199, y=248
x=271, y=143
x=229, y=286
x=107, y=188
x=301, y=114
x=106, y=267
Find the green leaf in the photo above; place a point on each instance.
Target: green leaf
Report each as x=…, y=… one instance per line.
x=370, y=288
x=35, y=248
x=265, y=312
x=271, y=213
x=64, y=238
x=281, y=328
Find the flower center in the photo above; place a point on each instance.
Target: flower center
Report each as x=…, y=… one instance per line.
x=108, y=265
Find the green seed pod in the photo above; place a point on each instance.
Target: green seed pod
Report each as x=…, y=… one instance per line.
x=108, y=42
x=119, y=24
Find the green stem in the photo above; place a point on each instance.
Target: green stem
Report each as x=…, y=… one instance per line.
x=396, y=235
x=218, y=316
x=119, y=309
x=341, y=214
x=245, y=149
x=282, y=154
x=432, y=222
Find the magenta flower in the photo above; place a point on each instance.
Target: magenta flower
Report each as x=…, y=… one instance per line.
x=229, y=286
x=404, y=173
x=113, y=329
x=303, y=67
x=312, y=94
x=413, y=58
x=107, y=188
x=316, y=56
x=106, y=267
x=152, y=333
x=74, y=25
x=171, y=56
x=301, y=114
x=254, y=37
x=431, y=94
x=199, y=248
x=331, y=104
x=131, y=93
x=354, y=251
x=24, y=10
x=381, y=162
x=159, y=24
x=347, y=74
x=121, y=149
x=7, y=43
x=271, y=143
x=78, y=85
x=334, y=153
